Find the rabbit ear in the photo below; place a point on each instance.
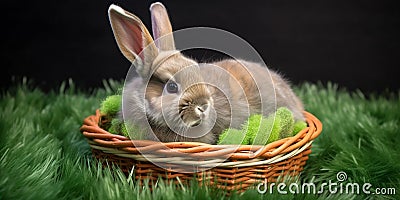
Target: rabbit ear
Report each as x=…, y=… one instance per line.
x=133, y=38
x=162, y=29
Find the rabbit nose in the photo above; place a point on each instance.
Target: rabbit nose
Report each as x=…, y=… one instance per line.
x=202, y=111
x=202, y=108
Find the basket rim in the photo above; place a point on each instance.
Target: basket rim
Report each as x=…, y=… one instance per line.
x=118, y=144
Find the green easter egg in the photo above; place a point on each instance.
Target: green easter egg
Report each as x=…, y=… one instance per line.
x=232, y=136
x=111, y=105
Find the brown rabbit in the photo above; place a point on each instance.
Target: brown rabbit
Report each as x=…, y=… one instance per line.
x=173, y=98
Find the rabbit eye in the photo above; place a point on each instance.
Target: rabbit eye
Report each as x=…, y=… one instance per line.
x=172, y=87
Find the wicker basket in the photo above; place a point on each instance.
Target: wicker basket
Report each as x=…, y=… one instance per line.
x=226, y=166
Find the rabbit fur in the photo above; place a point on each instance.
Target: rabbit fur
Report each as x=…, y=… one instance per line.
x=172, y=98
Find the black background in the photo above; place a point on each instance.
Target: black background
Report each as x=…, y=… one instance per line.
x=352, y=43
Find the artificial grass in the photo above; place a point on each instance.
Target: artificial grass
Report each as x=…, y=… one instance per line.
x=44, y=156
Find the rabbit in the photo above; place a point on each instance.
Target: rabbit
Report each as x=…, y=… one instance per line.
x=173, y=98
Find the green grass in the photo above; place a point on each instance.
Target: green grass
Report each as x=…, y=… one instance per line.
x=44, y=156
